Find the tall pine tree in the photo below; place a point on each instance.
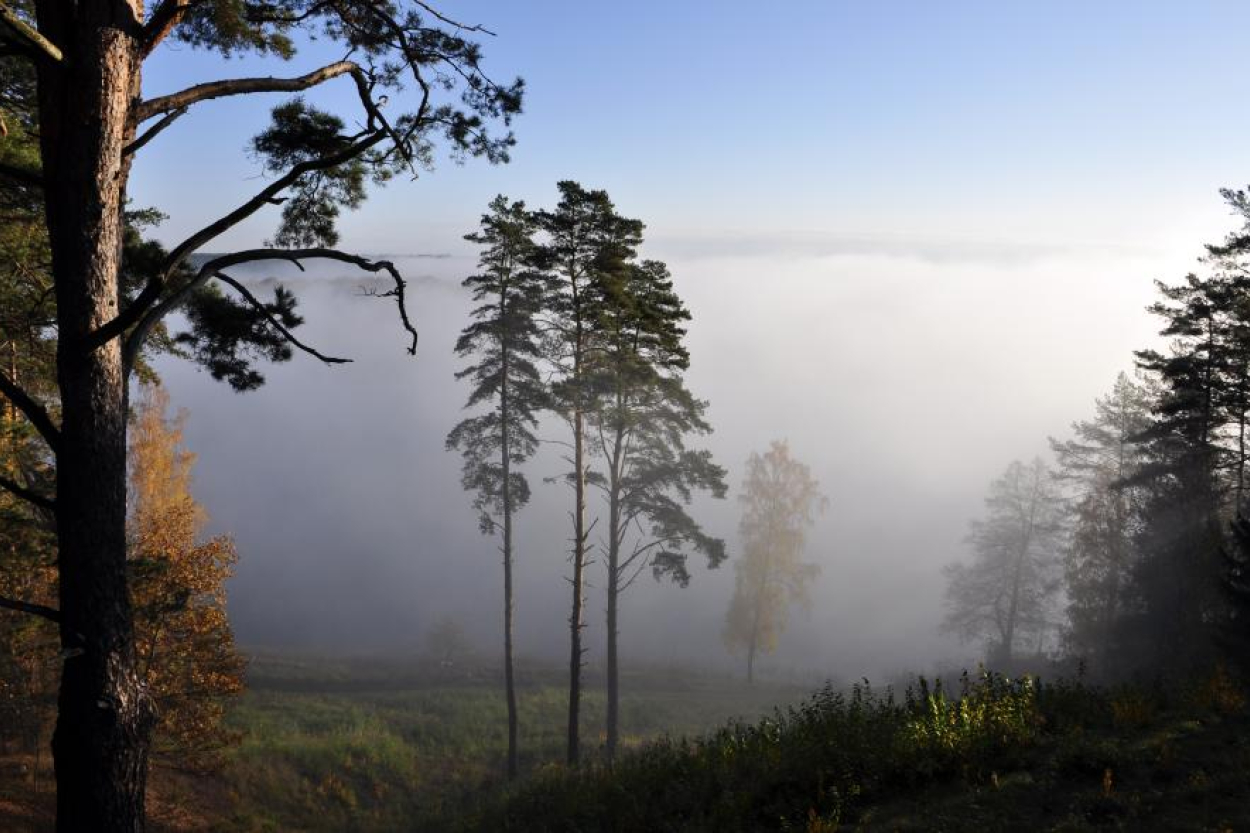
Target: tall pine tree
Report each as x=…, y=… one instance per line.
x=585, y=240
x=640, y=419
x=504, y=341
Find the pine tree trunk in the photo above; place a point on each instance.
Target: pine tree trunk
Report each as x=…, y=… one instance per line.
x=614, y=588
x=751, y=662
x=579, y=598
x=508, y=676
x=105, y=716
x=616, y=536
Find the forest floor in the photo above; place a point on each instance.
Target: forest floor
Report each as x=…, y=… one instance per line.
x=357, y=745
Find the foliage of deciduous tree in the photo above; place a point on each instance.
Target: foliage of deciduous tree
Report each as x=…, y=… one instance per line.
x=505, y=342
x=184, y=643
x=640, y=417
x=780, y=501
x=1096, y=466
x=1003, y=595
x=177, y=585
x=77, y=68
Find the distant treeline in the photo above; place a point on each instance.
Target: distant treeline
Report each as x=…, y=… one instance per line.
x=1128, y=552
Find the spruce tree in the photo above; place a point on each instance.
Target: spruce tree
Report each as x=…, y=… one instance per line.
x=504, y=341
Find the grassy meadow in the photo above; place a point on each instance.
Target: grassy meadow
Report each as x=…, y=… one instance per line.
x=372, y=745
x=339, y=745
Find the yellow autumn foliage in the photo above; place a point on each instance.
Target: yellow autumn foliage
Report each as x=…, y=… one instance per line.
x=183, y=638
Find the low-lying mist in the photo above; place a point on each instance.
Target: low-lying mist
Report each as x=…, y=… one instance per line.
x=905, y=378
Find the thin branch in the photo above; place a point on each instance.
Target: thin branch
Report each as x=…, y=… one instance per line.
x=363, y=263
x=30, y=34
x=152, y=131
x=27, y=494
x=144, y=311
x=274, y=322
x=637, y=572
x=51, y=614
x=33, y=411
x=213, y=267
x=266, y=197
x=241, y=86
x=477, y=27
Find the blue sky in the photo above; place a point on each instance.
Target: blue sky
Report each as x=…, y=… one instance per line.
x=1081, y=122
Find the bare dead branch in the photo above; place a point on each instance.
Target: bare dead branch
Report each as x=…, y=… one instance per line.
x=51, y=614
x=29, y=34
x=274, y=322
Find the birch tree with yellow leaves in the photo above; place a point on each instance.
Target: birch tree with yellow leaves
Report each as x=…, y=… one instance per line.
x=184, y=644
x=780, y=500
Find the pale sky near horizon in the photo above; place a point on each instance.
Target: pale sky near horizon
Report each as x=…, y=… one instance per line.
x=916, y=238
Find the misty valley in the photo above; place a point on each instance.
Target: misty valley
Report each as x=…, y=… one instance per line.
x=423, y=416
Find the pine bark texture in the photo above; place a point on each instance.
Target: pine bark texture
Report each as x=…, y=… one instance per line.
x=105, y=716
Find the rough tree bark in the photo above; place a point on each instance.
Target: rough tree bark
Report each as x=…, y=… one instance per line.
x=105, y=717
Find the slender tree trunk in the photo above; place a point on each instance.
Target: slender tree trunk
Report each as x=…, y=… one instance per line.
x=614, y=676
x=1013, y=611
x=105, y=715
x=577, y=614
x=1241, y=441
x=614, y=591
x=758, y=613
x=506, y=465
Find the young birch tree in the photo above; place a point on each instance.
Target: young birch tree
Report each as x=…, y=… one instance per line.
x=640, y=422
x=505, y=342
x=780, y=502
x=93, y=120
